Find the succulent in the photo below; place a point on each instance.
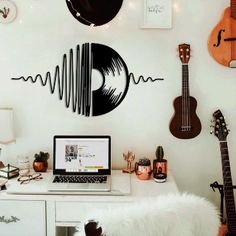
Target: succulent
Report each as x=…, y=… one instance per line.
x=41, y=156
x=144, y=161
x=159, y=153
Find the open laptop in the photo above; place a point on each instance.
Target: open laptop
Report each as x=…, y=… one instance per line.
x=83, y=157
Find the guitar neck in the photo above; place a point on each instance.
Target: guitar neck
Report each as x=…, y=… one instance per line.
x=233, y=8
x=228, y=188
x=185, y=81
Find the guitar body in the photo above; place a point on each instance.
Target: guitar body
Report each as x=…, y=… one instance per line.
x=176, y=123
x=222, y=40
x=223, y=231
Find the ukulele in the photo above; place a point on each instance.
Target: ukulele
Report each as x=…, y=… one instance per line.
x=221, y=133
x=185, y=124
x=221, y=42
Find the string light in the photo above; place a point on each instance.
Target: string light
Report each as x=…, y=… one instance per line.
x=79, y=15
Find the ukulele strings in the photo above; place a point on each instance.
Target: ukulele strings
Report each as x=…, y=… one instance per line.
x=186, y=122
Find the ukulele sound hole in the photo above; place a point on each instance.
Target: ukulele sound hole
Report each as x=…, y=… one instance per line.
x=185, y=128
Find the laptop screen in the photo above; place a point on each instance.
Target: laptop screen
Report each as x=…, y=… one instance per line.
x=82, y=155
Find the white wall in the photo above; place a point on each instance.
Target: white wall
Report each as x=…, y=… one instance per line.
x=44, y=30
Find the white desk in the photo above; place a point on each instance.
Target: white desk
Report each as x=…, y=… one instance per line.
x=19, y=213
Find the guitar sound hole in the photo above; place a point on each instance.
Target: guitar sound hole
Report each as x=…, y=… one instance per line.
x=185, y=128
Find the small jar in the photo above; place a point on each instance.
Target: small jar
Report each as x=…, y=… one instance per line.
x=23, y=165
x=143, y=169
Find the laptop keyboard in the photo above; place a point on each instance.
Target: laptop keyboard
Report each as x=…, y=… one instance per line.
x=80, y=179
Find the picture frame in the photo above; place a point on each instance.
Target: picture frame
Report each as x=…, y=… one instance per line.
x=157, y=14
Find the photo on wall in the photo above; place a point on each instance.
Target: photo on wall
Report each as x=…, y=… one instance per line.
x=157, y=14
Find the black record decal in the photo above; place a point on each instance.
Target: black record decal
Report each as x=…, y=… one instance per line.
x=92, y=80
x=94, y=12
x=115, y=77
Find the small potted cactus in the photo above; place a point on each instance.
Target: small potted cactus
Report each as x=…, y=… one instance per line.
x=143, y=169
x=160, y=166
x=40, y=163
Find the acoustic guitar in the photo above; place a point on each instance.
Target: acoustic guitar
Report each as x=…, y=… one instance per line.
x=221, y=133
x=185, y=123
x=222, y=40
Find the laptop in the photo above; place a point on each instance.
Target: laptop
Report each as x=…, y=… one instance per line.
x=81, y=163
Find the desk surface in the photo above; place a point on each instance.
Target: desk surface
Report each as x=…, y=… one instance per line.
x=138, y=188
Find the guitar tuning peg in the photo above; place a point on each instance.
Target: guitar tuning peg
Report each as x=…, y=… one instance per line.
x=211, y=132
x=212, y=126
x=228, y=130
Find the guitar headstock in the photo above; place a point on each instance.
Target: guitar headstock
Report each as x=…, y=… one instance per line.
x=220, y=127
x=184, y=53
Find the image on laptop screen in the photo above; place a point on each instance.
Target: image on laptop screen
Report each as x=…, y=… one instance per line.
x=82, y=155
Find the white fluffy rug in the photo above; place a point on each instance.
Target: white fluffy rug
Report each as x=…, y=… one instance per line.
x=167, y=215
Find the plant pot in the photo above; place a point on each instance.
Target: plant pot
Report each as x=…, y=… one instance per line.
x=143, y=169
x=40, y=166
x=160, y=170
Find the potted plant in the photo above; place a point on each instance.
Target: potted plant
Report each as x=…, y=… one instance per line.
x=143, y=169
x=160, y=166
x=40, y=163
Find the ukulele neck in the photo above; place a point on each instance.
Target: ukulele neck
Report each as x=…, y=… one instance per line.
x=228, y=188
x=185, y=81
x=233, y=8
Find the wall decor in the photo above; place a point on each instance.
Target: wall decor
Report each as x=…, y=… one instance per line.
x=221, y=42
x=76, y=84
x=94, y=12
x=157, y=14
x=185, y=123
x=7, y=11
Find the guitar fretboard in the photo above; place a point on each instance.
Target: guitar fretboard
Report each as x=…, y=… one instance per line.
x=228, y=188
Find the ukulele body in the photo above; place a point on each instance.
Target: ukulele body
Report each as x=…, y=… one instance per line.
x=222, y=40
x=177, y=128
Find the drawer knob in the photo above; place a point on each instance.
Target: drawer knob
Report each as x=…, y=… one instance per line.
x=13, y=219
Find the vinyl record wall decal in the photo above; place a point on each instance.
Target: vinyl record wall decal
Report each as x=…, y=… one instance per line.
x=92, y=82
x=94, y=12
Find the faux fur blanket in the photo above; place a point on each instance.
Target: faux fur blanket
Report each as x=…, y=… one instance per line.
x=167, y=215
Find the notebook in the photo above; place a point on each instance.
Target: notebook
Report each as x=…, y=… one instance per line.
x=87, y=157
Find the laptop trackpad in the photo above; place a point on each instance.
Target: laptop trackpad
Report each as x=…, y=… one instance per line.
x=77, y=186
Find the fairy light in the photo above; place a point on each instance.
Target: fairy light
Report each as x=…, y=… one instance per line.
x=131, y=5
x=78, y=15
x=176, y=7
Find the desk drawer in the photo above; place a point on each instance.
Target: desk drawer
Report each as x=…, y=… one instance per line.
x=21, y=217
x=77, y=211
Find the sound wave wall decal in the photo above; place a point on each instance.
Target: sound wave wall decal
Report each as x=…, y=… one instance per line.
x=74, y=82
